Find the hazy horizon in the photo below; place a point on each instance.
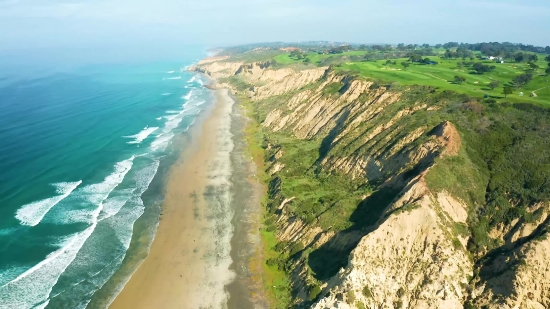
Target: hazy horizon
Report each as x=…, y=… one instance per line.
x=108, y=30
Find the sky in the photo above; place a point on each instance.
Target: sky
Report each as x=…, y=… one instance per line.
x=139, y=28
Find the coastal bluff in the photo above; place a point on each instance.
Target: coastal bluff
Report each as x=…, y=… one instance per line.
x=375, y=196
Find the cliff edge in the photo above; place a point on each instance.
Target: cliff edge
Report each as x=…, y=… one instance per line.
x=388, y=196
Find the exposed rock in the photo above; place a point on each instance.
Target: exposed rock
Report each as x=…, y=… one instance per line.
x=408, y=260
x=448, y=136
x=413, y=257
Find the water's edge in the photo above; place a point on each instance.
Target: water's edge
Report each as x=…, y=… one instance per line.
x=146, y=226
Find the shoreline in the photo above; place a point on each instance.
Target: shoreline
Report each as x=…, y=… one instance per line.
x=207, y=231
x=188, y=262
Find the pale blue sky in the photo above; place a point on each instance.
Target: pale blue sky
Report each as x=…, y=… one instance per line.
x=157, y=26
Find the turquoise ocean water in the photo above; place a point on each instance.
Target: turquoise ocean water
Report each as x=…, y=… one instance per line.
x=78, y=153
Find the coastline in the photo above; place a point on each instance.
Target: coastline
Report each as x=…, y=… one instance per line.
x=188, y=262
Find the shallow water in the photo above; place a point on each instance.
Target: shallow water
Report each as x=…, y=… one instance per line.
x=79, y=153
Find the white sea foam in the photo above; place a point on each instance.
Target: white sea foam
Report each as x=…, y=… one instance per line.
x=172, y=122
x=190, y=124
x=94, y=194
x=170, y=72
x=192, y=79
x=33, y=287
x=42, y=305
x=101, y=254
x=31, y=214
x=138, y=138
x=175, y=77
x=10, y=274
x=166, y=94
x=161, y=142
x=174, y=118
x=188, y=96
x=158, y=118
x=112, y=205
x=200, y=82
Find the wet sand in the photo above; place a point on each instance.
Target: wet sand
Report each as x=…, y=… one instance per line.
x=189, y=264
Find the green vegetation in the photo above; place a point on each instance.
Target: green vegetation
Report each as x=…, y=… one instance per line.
x=525, y=73
x=351, y=296
x=314, y=291
x=501, y=170
x=327, y=200
x=366, y=292
x=448, y=76
x=359, y=305
x=276, y=282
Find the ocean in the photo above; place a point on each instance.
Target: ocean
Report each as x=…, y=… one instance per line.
x=82, y=158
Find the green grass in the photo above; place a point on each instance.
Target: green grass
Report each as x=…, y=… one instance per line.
x=328, y=199
x=440, y=75
x=276, y=282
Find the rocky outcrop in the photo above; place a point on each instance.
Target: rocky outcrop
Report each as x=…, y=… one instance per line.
x=217, y=69
x=409, y=261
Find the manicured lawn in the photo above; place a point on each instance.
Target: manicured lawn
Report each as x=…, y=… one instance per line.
x=442, y=75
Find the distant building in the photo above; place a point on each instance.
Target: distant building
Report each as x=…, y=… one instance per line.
x=497, y=59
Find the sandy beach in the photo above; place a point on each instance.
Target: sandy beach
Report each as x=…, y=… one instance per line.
x=189, y=261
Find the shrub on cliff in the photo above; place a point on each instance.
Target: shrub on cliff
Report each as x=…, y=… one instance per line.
x=314, y=291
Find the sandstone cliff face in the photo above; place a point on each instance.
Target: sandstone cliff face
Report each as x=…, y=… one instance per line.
x=409, y=261
x=412, y=256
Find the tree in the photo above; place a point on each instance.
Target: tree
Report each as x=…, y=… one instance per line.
x=507, y=90
x=547, y=71
x=532, y=58
x=425, y=45
x=547, y=58
x=388, y=62
x=533, y=66
x=459, y=79
x=314, y=291
x=482, y=68
x=519, y=57
x=401, y=46
x=415, y=57
x=494, y=84
x=523, y=79
x=296, y=54
x=448, y=54
x=405, y=65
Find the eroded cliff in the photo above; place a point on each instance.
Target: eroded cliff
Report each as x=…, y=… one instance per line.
x=381, y=194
